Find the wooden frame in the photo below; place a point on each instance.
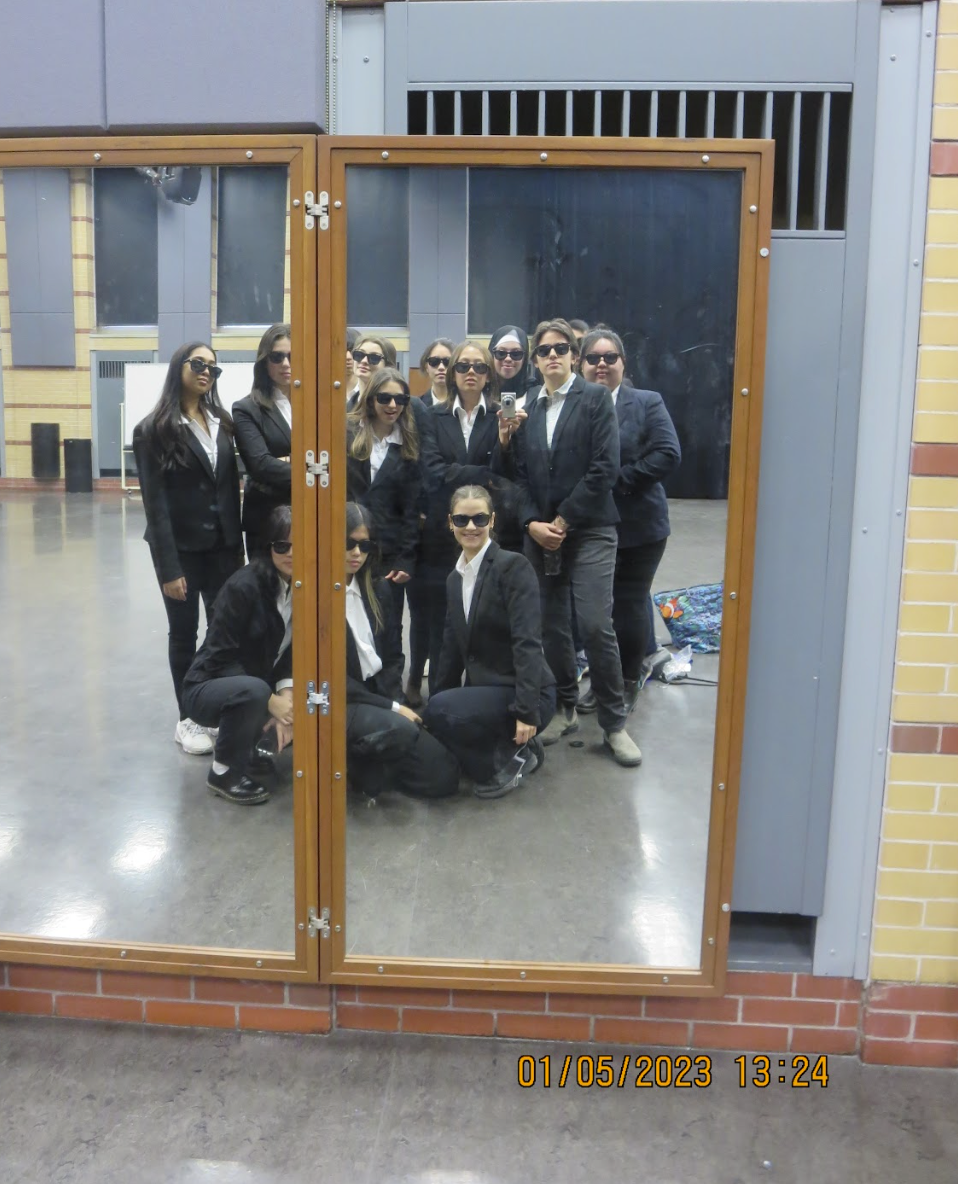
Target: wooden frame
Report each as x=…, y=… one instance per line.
x=754, y=159
x=298, y=152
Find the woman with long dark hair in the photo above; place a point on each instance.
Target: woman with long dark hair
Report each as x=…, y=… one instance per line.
x=241, y=682
x=190, y=486
x=386, y=746
x=264, y=425
x=434, y=364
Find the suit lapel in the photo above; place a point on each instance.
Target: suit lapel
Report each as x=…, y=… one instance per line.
x=391, y=459
x=479, y=440
x=199, y=451
x=279, y=420
x=570, y=406
x=449, y=423
x=455, y=610
x=480, y=580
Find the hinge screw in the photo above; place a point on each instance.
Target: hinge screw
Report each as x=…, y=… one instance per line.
x=97, y=156
x=726, y=908
x=337, y=385
x=122, y=953
x=249, y=156
x=543, y=155
x=299, y=772
x=711, y=940
x=753, y=209
x=705, y=158
x=733, y=596
x=337, y=587
x=339, y=928
x=764, y=252
x=379, y=969
x=338, y=776
x=337, y=205
x=744, y=390
x=297, y=382
x=259, y=961
x=301, y=925
x=298, y=584
x=385, y=157
x=296, y=206
x=721, y=787
x=522, y=974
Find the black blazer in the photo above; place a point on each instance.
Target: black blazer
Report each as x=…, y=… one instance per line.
x=188, y=507
x=576, y=476
x=262, y=436
x=649, y=451
x=384, y=688
x=246, y=631
x=501, y=643
x=393, y=501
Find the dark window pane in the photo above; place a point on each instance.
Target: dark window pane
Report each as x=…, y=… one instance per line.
x=251, y=252
x=125, y=247
x=377, y=247
x=651, y=252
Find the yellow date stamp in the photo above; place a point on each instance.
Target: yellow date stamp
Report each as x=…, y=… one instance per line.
x=630, y=1071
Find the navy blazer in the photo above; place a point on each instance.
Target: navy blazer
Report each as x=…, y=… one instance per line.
x=649, y=451
x=262, y=437
x=500, y=645
x=575, y=477
x=393, y=500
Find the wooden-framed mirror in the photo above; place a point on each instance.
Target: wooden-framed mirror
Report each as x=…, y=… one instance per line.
x=592, y=874
x=113, y=850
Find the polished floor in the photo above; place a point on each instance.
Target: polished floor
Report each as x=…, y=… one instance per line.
x=587, y=861
x=91, y=1104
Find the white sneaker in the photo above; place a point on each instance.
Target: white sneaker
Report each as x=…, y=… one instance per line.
x=192, y=738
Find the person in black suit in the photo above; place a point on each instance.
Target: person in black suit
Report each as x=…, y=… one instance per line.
x=241, y=681
x=648, y=451
x=190, y=486
x=382, y=474
x=370, y=355
x=434, y=363
x=457, y=450
x=386, y=746
x=264, y=424
x=565, y=458
x=493, y=633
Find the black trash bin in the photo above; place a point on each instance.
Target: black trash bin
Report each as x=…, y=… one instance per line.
x=45, y=445
x=78, y=463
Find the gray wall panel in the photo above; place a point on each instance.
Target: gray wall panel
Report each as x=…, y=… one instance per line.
x=184, y=270
x=179, y=64
x=788, y=41
x=437, y=253
x=51, y=66
x=394, y=96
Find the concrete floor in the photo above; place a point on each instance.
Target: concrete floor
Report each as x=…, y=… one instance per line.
x=587, y=861
x=91, y=1104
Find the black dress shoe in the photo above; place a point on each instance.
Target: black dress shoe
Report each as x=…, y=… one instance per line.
x=261, y=761
x=237, y=787
x=505, y=780
x=535, y=755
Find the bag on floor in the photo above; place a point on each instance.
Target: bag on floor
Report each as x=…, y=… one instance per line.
x=693, y=616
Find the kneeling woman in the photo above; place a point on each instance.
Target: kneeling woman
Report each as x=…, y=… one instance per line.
x=241, y=680
x=386, y=747
x=493, y=632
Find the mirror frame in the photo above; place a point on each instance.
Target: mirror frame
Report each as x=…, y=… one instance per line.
x=298, y=153
x=754, y=159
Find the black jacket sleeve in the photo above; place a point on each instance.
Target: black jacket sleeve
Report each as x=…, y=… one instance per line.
x=451, y=665
x=409, y=529
x=259, y=461
x=156, y=507
x=603, y=470
x=660, y=452
x=521, y=591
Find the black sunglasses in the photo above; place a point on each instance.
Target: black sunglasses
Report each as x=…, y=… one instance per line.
x=385, y=400
x=501, y=354
x=465, y=367
x=373, y=359
x=277, y=356
x=561, y=348
x=198, y=365
x=365, y=545
x=282, y=546
x=461, y=521
x=595, y=359
x=437, y=362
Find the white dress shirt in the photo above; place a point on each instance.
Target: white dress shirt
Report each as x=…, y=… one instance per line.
x=467, y=419
x=380, y=448
x=370, y=662
x=555, y=408
x=284, y=605
x=470, y=573
x=283, y=406
x=207, y=439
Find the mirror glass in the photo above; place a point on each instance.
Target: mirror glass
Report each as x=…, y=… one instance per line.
x=139, y=674
x=566, y=339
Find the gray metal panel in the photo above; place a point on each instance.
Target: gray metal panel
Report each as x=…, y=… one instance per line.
x=438, y=242
x=184, y=270
x=801, y=393
x=51, y=66
x=107, y=395
x=231, y=82
x=791, y=41
x=395, y=116
x=360, y=98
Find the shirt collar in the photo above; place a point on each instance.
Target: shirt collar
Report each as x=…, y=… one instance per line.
x=475, y=563
x=352, y=588
x=563, y=390
x=210, y=418
x=615, y=394
x=457, y=406
x=394, y=437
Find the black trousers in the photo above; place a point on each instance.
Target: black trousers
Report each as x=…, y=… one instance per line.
x=475, y=723
x=417, y=594
x=384, y=750
x=206, y=572
x=634, y=572
x=238, y=706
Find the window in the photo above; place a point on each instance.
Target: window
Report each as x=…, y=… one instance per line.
x=377, y=251
x=125, y=248
x=251, y=250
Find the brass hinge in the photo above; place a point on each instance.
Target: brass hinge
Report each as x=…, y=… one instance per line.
x=317, y=209
x=316, y=468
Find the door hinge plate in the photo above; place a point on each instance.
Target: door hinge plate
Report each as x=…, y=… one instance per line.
x=318, y=699
x=316, y=468
x=318, y=923
x=316, y=209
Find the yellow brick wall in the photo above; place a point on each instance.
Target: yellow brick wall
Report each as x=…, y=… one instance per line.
x=915, y=935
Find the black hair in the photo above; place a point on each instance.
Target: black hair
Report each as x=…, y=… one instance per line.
x=163, y=429
x=262, y=392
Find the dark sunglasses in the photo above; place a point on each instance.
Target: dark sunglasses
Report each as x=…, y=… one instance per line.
x=465, y=367
x=282, y=546
x=595, y=359
x=437, y=362
x=385, y=400
x=561, y=348
x=501, y=354
x=198, y=365
x=365, y=545
x=373, y=359
x=277, y=356
x=461, y=521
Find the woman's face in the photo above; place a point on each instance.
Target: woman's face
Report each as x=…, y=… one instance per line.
x=506, y=365
x=601, y=370
x=553, y=367
x=283, y=563
x=471, y=383
x=363, y=368
x=387, y=413
x=471, y=537
x=280, y=372
x=355, y=558
x=197, y=384
x=436, y=365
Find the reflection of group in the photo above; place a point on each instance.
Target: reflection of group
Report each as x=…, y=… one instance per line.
x=522, y=519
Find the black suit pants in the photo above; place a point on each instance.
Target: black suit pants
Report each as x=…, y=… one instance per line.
x=634, y=572
x=238, y=706
x=384, y=750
